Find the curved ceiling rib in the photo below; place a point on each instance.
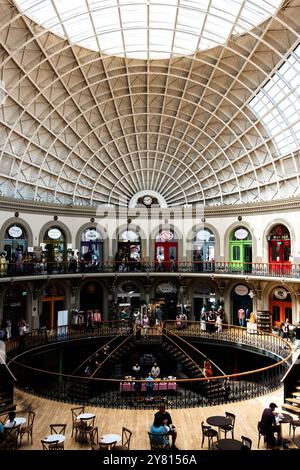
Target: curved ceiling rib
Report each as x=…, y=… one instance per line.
x=81, y=127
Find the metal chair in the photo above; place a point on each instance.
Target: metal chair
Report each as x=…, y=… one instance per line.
x=246, y=442
x=261, y=432
x=230, y=426
x=208, y=432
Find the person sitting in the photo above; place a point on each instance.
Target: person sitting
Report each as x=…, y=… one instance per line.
x=165, y=417
x=268, y=424
x=159, y=433
x=155, y=371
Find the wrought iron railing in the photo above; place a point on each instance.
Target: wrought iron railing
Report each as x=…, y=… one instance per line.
x=177, y=393
x=35, y=269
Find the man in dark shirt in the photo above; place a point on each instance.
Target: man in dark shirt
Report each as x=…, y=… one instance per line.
x=268, y=424
x=166, y=419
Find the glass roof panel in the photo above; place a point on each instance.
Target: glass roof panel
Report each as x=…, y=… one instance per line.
x=277, y=104
x=202, y=23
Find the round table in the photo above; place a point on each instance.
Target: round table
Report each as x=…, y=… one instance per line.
x=218, y=421
x=59, y=438
x=85, y=416
x=108, y=439
x=15, y=422
x=229, y=444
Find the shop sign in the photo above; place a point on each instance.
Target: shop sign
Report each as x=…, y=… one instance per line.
x=280, y=293
x=241, y=290
x=54, y=233
x=92, y=235
x=15, y=232
x=166, y=235
x=241, y=234
x=203, y=235
x=166, y=288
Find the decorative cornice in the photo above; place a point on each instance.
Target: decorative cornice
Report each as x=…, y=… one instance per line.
x=10, y=204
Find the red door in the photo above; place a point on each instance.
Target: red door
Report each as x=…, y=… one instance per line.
x=166, y=256
x=281, y=310
x=279, y=256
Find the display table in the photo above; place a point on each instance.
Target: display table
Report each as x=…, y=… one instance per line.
x=158, y=386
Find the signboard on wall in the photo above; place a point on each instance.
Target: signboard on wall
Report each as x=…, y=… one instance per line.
x=166, y=288
x=241, y=290
x=15, y=232
x=280, y=293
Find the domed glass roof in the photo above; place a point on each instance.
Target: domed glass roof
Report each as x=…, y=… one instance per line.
x=205, y=110
x=148, y=29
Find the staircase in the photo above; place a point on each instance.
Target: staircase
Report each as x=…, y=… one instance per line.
x=291, y=382
x=191, y=360
x=115, y=359
x=190, y=367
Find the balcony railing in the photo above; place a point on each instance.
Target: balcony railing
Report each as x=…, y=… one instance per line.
x=286, y=270
x=179, y=393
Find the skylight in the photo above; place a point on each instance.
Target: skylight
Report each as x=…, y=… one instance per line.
x=148, y=29
x=278, y=104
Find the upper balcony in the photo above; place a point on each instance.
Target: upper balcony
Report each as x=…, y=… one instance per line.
x=41, y=270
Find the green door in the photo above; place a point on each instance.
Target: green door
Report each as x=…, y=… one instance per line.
x=240, y=256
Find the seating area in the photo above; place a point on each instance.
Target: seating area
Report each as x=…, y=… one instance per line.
x=120, y=422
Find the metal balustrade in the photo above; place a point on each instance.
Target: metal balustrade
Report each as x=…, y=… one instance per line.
x=33, y=269
x=187, y=392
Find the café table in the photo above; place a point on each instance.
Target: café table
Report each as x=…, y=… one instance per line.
x=16, y=422
x=218, y=421
x=229, y=444
x=109, y=439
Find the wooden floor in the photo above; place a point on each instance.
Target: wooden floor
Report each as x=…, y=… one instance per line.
x=187, y=421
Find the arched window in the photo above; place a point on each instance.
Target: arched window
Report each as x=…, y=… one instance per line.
x=204, y=250
x=15, y=241
x=54, y=246
x=91, y=245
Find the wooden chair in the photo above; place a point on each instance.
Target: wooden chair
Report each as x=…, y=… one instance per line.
x=85, y=429
x=95, y=439
x=11, y=436
x=157, y=441
x=208, y=432
x=230, y=426
x=53, y=445
x=59, y=429
x=75, y=424
x=29, y=428
x=126, y=437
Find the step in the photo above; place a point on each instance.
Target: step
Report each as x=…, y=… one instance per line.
x=295, y=394
x=293, y=400
x=291, y=408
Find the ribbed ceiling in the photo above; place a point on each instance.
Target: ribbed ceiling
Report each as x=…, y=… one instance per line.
x=83, y=127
